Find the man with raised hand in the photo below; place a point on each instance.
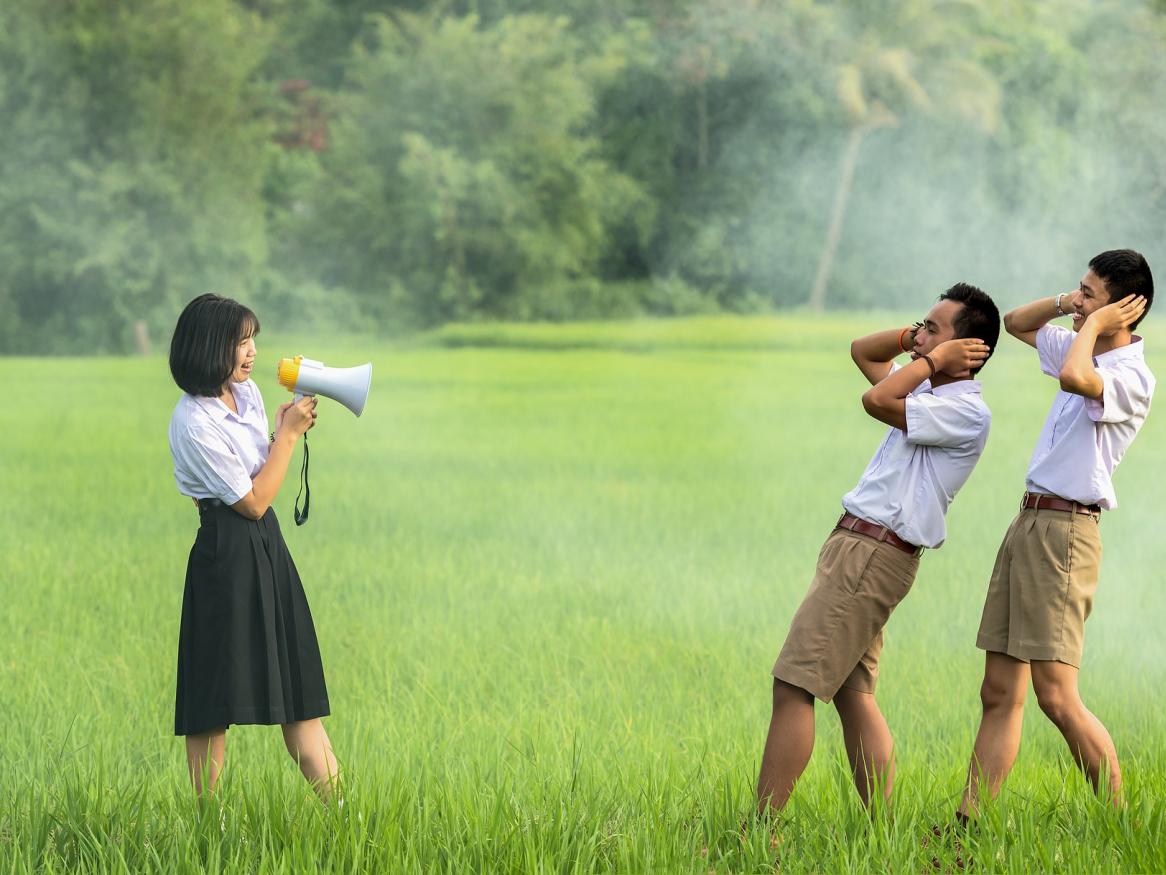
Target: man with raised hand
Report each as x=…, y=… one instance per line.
x=1046, y=571
x=938, y=427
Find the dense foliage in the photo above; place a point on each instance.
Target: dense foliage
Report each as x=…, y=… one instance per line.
x=406, y=164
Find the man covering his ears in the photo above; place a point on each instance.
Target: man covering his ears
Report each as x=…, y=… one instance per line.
x=1046, y=571
x=938, y=426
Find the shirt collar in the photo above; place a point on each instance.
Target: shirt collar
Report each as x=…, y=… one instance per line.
x=1135, y=349
x=220, y=411
x=959, y=387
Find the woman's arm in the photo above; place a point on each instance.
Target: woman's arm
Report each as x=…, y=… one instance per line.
x=297, y=420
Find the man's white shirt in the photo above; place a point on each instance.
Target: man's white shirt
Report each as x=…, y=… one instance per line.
x=1083, y=439
x=915, y=474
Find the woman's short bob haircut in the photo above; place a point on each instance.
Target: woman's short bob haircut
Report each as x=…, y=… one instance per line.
x=208, y=333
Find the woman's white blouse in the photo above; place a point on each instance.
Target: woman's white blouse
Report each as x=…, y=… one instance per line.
x=216, y=451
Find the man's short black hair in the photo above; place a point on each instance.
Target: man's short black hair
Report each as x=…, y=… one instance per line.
x=978, y=317
x=1125, y=272
x=202, y=350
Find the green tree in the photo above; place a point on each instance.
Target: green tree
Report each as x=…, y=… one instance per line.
x=880, y=82
x=462, y=178
x=138, y=182
x=739, y=88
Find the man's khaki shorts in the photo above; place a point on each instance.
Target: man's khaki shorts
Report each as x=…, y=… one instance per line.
x=1042, y=587
x=836, y=635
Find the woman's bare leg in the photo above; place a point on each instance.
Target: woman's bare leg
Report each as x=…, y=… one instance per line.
x=206, y=754
x=308, y=744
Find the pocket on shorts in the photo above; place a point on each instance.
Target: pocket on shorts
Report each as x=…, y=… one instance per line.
x=1056, y=533
x=887, y=577
x=864, y=555
x=844, y=562
x=1086, y=558
x=1071, y=536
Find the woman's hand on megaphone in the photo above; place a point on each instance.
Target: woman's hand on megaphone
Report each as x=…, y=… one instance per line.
x=296, y=417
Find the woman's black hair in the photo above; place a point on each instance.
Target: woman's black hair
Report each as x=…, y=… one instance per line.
x=202, y=350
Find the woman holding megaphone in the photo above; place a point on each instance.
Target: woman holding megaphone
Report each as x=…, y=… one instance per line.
x=247, y=650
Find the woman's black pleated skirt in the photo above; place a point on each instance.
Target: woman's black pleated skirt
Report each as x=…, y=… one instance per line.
x=247, y=650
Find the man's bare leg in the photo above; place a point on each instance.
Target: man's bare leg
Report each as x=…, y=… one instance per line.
x=1055, y=684
x=206, y=754
x=787, y=747
x=1002, y=696
x=869, y=746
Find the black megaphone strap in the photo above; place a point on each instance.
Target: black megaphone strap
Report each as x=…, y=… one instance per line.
x=305, y=490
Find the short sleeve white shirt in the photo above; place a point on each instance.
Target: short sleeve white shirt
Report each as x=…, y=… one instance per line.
x=1083, y=439
x=915, y=474
x=216, y=450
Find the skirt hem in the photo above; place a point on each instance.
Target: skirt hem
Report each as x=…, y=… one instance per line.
x=254, y=717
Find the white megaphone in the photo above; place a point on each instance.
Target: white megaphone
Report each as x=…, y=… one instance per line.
x=349, y=386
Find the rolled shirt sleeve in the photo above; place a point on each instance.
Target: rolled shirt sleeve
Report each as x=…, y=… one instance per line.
x=208, y=456
x=1126, y=395
x=951, y=421
x=1052, y=344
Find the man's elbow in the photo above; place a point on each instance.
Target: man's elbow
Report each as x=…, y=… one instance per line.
x=1010, y=323
x=1076, y=383
x=884, y=409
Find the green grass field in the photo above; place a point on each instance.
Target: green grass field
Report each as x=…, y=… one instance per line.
x=550, y=569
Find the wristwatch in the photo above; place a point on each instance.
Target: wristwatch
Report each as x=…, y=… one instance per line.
x=1057, y=303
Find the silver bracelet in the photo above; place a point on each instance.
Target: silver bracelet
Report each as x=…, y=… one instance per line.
x=1057, y=303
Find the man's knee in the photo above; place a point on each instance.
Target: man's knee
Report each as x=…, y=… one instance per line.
x=998, y=694
x=848, y=701
x=1057, y=702
x=1005, y=683
x=788, y=694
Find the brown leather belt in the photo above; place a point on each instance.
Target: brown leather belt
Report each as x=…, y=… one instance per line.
x=852, y=523
x=1040, y=501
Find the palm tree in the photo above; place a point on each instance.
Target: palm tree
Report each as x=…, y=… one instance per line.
x=879, y=78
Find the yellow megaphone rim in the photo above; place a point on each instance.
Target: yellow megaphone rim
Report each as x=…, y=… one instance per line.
x=289, y=372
